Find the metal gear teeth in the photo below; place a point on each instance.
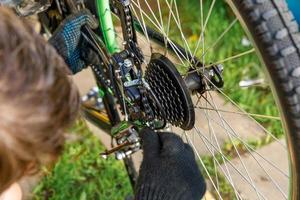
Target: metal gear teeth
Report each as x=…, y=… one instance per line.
x=166, y=93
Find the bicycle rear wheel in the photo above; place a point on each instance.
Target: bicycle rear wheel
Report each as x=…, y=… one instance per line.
x=236, y=130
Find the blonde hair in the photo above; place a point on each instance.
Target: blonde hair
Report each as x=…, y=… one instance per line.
x=37, y=100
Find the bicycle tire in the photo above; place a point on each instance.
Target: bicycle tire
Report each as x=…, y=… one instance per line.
x=276, y=35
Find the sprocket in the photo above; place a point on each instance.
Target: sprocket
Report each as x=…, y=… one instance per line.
x=171, y=92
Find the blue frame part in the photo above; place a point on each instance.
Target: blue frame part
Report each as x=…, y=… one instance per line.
x=294, y=6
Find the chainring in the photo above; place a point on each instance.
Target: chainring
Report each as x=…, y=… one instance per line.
x=171, y=92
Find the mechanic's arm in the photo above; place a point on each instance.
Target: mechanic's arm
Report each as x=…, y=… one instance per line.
x=67, y=39
x=169, y=170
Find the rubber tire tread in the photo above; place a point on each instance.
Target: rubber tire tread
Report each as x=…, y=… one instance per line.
x=276, y=34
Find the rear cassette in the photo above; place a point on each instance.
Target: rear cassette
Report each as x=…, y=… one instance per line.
x=171, y=92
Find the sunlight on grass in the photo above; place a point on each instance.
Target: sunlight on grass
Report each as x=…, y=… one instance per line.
x=256, y=100
x=81, y=174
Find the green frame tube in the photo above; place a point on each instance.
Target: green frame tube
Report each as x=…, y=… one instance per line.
x=107, y=26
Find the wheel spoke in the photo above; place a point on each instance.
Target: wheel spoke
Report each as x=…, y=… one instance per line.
x=240, y=113
x=231, y=128
x=221, y=36
x=224, y=60
x=143, y=24
x=243, y=111
x=177, y=22
x=238, y=153
x=212, y=133
x=168, y=28
x=227, y=160
x=247, y=146
x=157, y=26
x=232, y=165
x=165, y=16
x=204, y=28
x=203, y=165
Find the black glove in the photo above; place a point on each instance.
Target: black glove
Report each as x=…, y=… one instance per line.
x=67, y=39
x=169, y=170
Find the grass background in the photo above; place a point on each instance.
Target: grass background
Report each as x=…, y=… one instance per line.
x=81, y=174
x=257, y=100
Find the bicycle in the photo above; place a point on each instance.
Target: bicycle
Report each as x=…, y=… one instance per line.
x=166, y=89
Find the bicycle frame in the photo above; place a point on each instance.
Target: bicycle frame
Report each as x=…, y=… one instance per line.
x=106, y=121
x=294, y=6
x=107, y=27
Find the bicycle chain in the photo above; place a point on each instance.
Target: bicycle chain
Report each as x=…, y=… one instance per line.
x=122, y=9
x=149, y=114
x=128, y=22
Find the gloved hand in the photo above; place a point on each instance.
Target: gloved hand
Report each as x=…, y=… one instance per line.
x=169, y=170
x=67, y=39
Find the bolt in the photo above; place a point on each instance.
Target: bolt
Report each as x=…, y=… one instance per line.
x=211, y=73
x=127, y=153
x=127, y=63
x=122, y=140
x=99, y=100
x=220, y=68
x=95, y=89
x=120, y=155
x=84, y=98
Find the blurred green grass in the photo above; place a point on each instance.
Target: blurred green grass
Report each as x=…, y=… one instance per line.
x=80, y=173
x=256, y=100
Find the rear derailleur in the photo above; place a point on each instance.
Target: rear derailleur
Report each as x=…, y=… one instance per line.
x=127, y=141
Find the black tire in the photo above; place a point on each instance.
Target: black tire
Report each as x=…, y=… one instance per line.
x=275, y=32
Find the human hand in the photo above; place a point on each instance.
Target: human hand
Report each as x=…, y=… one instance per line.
x=67, y=39
x=169, y=170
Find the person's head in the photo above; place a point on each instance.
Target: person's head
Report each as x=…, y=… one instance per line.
x=27, y=7
x=37, y=100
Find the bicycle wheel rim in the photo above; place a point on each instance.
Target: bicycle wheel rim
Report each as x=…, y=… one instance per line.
x=294, y=179
x=294, y=182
